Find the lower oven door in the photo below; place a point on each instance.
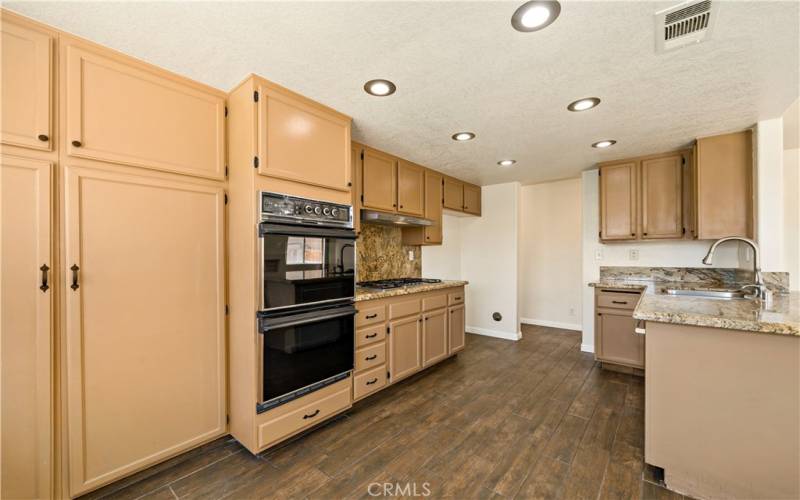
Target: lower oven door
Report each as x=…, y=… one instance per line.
x=303, y=350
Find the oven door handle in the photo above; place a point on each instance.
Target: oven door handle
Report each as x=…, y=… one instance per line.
x=299, y=230
x=267, y=327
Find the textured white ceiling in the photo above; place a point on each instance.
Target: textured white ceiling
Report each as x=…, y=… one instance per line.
x=460, y=66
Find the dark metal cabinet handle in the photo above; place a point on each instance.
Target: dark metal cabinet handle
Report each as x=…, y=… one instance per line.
x=371, y=335
x=370, y=358
x=370, y=382
x=77, y=144
x=618, y=302
x=311, y=415
x=43, y=137
x=44, y=286
x=75, y=270
x=370, y=316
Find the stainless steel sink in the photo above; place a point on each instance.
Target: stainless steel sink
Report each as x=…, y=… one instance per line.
x=709, y=294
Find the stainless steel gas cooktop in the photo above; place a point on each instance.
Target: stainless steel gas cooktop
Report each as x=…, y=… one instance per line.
x=396, y=283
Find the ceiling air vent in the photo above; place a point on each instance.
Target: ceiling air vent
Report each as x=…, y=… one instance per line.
x=684, y=24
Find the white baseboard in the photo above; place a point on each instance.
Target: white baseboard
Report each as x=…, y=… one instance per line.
x=552, y=324
x=587, y=347
x=493, y=333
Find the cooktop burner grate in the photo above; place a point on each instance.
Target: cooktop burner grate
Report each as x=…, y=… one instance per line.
x=396, y=283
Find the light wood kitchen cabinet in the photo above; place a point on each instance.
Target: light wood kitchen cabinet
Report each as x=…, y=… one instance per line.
x=356, y=162
x=616, y=340
x=26, y=65
x=618, y=204
x=472, y=199
x=410, y=188
x=405, y=347
x=453, y=194
x=428, y=235
x=27, y=328
x=124, y=111
x=662, y=208
x=455, y=327
x=301, y=140
x=143, y=381
x=379, y=178
x=434, y=336
x=724, y=186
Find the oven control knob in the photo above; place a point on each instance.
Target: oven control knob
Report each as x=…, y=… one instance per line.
x=334, y=212
x=317, y=210
x=308, y=209
x=326, y=211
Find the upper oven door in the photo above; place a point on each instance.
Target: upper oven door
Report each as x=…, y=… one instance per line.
x=304, y=265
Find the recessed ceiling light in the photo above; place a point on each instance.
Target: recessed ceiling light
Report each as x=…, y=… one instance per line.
x=604, y=144
x=535, y=15
x=583, y=104
x=379, y=87
x=506, y=163
x=463, y=136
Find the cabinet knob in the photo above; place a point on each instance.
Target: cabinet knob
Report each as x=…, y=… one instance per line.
x=43, y=138
x=427, y=237
x=349, y=184
x=77, y=144
x=633, y=234
x=644, y=234
x=401, y=206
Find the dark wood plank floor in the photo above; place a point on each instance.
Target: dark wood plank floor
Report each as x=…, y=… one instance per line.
x=530, y=419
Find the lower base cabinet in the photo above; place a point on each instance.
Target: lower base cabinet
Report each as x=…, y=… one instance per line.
x=616, y=340
x=145, y=338
x=405, y=347
x=456, y=329
x=434, y=337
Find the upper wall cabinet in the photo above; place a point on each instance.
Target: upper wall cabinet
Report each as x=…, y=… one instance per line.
x=410, y=188
x=379, y=181
x=123, y=111
x=662, y=208
x=618, y=205
x=453, y=194
x=429, y=235
x=26, y=67
x=472, y=199
x=723, y=188
x=301, y=140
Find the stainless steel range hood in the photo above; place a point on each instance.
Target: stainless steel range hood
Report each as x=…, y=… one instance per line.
x=388, y=219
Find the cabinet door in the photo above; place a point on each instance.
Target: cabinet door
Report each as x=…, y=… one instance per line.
x=410, y=188
x=145, y=338
x=453, y=194
x=355, y=162
x=434, y=336
x=724, y=185
x=472, y=199
x=616, y=341
x=26, y=67
x=433, y=207
x=26, y=350
x=122, y=111
x=379, y=178
x=455, y=326
x=618, y=201
x=302, y=141
x=405, y=347
x=662, y=211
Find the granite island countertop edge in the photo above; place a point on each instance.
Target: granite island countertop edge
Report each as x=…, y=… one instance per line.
x=371, y=294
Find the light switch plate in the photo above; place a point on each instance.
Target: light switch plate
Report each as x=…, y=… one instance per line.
x=633, y=254
x=598, y=254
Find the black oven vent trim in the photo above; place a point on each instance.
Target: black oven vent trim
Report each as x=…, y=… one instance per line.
x=280, y=400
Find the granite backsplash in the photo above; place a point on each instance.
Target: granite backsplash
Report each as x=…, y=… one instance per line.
x=382, y=254
x=713, y=276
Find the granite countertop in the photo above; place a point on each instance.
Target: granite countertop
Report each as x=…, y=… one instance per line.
x=371, y=293
x=781, y=317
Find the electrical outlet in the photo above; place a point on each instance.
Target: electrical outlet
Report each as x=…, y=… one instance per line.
x=598, y=254
x=633, y=254
x=411, y=255
x=572, y=311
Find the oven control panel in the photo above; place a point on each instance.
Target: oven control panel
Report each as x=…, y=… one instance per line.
x=285, y=208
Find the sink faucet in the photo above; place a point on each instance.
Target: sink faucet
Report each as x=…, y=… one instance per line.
x=761, y=290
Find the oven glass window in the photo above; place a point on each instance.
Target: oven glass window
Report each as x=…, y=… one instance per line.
x=297, y=356
x=303, y=269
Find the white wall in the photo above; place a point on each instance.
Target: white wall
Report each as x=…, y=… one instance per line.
x=769, y=190
x=651, y=253
x=550, y=254
x=444, y=261
x=791, y=193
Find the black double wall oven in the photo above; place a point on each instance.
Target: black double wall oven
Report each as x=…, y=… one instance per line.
x=307, y=314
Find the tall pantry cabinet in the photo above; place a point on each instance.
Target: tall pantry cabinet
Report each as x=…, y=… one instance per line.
x=113, y=284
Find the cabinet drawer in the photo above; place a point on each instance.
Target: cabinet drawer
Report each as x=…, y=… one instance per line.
x=369, y=382
x=617, y=300
x=317, y=410
x=435, y=302
x=370, y=315
x=370, y=334
x=371, y=356
x=404, y=308
x=455, y=298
